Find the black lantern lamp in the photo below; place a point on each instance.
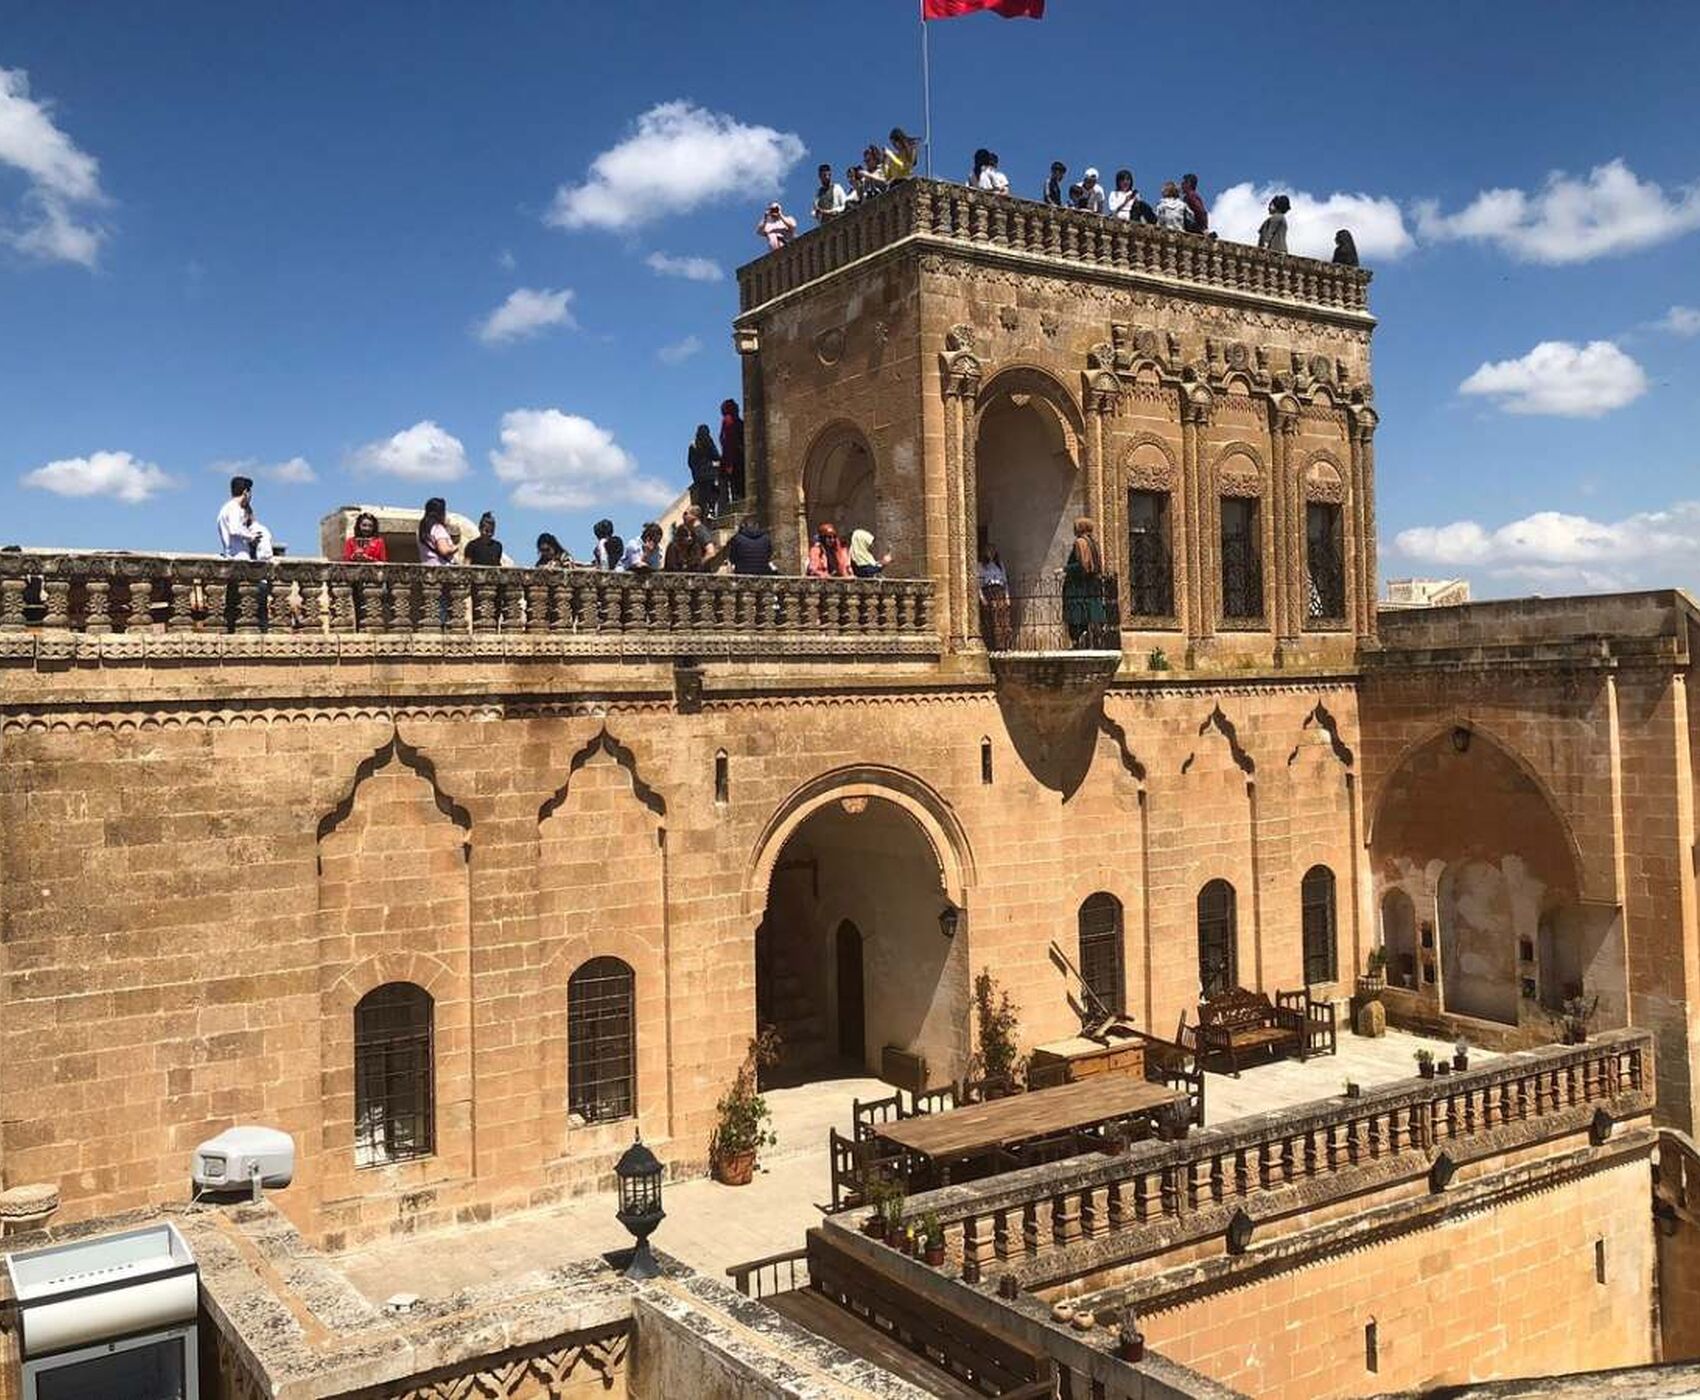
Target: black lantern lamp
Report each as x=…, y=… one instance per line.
x=949, y=919
x=639, y=1172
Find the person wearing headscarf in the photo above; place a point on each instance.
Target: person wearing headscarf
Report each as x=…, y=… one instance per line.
x=1084, y=610
x=703, y=459
x=863, y=564
x=1272, y=234
x=365, y=545
x=829, y=557
x=731, y=453
x=1345, y=248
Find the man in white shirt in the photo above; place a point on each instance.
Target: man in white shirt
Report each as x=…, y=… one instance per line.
x=1093, y=191
x=829, y=198
x=240, y=537
x=990, y=178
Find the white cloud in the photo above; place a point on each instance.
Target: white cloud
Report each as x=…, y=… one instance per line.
x=678, y=156
x=1570, y=220
x=558, y=461
x=691, y=269
x=1561, y=379
x=62, y=180
x=296, y=471
x=526, y=312
x=679, y=351
x=114, y=474
x=423, y=452
x=1554, y=552
x=506, y=260
x=1378, y=228
x=1680, y=320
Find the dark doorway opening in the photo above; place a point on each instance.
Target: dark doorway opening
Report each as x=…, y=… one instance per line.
x=852, y=1009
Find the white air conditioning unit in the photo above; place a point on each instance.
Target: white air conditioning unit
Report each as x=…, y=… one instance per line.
x=244, y=1158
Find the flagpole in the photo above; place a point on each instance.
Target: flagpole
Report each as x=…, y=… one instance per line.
x=926, y=95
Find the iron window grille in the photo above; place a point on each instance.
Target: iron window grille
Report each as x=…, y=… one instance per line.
x=1150, y=566
x=1218, y=970
x=602, y=1041
x=1101, y=952
x=1316, y=899
x=394, y=1075
x=1242, y=561
x=1325, y=564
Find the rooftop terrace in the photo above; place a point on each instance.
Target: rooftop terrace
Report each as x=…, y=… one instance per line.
x=937, y=214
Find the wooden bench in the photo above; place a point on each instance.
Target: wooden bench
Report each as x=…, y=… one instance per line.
x=1239, y=1022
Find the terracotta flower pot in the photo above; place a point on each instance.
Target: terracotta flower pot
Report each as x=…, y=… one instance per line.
x=1460, y=1062
x=874, y=1226
x=935, y=1255
x=736, y=1168
x=1426, y=1071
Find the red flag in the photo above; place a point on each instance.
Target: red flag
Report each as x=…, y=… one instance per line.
x=1009, y=9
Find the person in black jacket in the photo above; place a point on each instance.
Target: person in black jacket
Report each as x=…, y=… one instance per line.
x=703, y=458
x=751, y=549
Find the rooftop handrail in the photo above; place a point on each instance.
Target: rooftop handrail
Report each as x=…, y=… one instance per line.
x=1016, y=1217
x=112, y=594
x=937, y=211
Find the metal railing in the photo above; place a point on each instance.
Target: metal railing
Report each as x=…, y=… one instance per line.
x=1325, y=580
x=777, y=1273
x=1150, y=576
x=937, y=212
x=305, y=605
x=1051, y=613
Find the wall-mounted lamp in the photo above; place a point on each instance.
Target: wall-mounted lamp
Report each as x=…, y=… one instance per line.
x=949, y=917
x=1240, y=1228
x=1461, y=739
x=1441, y=1172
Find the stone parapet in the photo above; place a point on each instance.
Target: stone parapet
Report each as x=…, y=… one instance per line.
x=75, y=607
x=938, y=213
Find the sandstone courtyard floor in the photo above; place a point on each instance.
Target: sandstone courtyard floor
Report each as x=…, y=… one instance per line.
x=711, y=1227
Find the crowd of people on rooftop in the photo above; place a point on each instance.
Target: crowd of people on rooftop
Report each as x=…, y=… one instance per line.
x=1179, y=206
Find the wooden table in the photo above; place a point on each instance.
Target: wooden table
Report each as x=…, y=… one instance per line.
x=982, y=1127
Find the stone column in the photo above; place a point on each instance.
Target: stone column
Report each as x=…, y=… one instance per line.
x=1196, y=489
x=1363, y=553
x=1287, y=608
x=1105, y=502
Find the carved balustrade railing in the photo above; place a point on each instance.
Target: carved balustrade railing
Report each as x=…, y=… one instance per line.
x=50, y=601
x=938, y=212
x=1036, y=1223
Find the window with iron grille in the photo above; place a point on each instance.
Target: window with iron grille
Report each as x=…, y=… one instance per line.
x=1101, y=951
x=1316, y=901
x=394, y=1078
x=601, y=1042
x=1242, y=560
x=1218, y=969
x=1150, y=570
x=1325, y=563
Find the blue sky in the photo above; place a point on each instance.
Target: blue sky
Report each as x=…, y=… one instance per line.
x=280, y=236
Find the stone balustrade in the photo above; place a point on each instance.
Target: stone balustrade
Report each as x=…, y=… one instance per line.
x=1067, y=1218
x=69, y=605
x=938, y=213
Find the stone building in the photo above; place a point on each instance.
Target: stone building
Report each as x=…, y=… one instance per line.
x=458, y=880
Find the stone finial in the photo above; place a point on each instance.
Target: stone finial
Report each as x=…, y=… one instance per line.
x=27, y=1207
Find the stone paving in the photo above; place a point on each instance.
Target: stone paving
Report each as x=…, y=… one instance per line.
x=711, y=1227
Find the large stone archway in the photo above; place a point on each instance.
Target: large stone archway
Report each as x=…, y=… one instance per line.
x=1465, y=830
x=876, y=860
x=1028, y=483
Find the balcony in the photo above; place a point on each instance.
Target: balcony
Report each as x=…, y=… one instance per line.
x=64, y=607
x=933, y=213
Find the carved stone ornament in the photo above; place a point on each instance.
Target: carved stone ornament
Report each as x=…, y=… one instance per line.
x=1050, y=323
x=746, y=340
x=960, y=338
x=1239, y=355
x=1147, y=346
x=1103, y=392
x=829, y=345
x=1322, y=368
x=1101, y=356
x=1009, y=318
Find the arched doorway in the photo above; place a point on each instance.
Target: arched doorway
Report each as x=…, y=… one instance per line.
x=1399, y=938
x=851, y=955
x=1027, y=479
x=837, y=485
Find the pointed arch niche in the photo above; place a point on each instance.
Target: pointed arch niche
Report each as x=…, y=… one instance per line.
x=393, y=908
x=602, y=902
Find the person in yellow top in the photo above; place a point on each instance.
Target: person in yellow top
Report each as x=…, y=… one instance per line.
x=899, y=157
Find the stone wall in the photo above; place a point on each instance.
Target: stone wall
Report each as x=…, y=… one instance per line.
x=199, y=889
x=1506, y=1292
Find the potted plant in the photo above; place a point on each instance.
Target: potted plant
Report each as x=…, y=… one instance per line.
x=1576, y=1017
x=879, y=1188
x=1425, y=1063
x=997, y=1023
x=742, y=1117
x=1130, y=1343
x=932, y=1239
x=1157, y=660
x=1354, y=1090
x=1461, y=1055
x=1372, y=982
x=891, y=1211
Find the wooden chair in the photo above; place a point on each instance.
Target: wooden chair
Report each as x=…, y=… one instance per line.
x=867, y=1114
x=1238, y=1022
x=993, y=1086
x=1317, y=1018
x=940, y=1100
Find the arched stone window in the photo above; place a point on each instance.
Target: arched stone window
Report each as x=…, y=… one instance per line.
x=1101, y=955
x=1399, y=938
x=1316, y=906
x=601, y=1041
x=1218, y=958
x=394, y=1078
